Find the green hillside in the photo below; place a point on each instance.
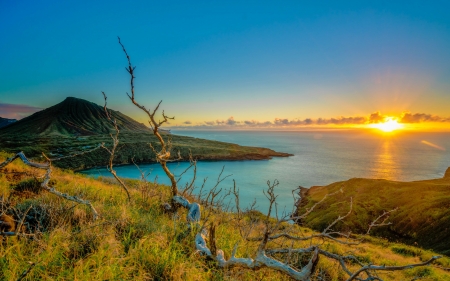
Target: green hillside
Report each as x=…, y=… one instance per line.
x=422, y=217
x=71, y=117
x=76, y=125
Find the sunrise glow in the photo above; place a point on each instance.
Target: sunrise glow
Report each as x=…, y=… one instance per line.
x=390, y=124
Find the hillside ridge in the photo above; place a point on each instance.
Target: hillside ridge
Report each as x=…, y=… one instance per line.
x=422, y=216
x=447, y=173
x=72, y=117
x=5, y=122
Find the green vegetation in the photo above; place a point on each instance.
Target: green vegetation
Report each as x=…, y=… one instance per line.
x=132, y=145
x=422, y=217
x=76, y=125
x=137, y=241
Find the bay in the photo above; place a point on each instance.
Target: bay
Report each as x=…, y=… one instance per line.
x=320, y=158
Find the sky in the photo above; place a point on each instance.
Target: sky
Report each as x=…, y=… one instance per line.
x=232, y=64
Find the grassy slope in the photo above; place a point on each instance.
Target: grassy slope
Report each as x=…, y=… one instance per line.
x=137, y=242
x=423, y=214
x=131, y=145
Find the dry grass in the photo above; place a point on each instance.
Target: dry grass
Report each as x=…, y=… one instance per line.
x=138, y=242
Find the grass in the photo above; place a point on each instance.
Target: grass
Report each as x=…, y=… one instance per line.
x=422, y=218
x=137, y=241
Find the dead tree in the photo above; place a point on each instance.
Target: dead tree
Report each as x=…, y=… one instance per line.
x=163, y=153
x=273, y=228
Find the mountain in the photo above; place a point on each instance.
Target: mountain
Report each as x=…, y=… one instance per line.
x=5, y=122
x=422, y=217
x=76, y=125
x=72, y=117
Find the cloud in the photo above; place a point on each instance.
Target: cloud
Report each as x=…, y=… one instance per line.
x=187, y=122
x=16, y=111
x=375, y=117
x=279, y=121
x=408, y=117
x=231, y=121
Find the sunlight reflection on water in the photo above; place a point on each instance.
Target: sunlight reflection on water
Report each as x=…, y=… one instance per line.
x=384, y=166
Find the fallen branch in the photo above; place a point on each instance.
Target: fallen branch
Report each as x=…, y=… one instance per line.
x=193, y=216
x=390, y=268
x=47, y=177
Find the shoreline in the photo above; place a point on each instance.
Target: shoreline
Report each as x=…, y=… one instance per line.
x=233, y=159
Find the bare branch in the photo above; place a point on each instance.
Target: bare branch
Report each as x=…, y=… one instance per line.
x=383, y=223
x=306, y=238
x=261, y=259
x=390, y=268
x=47, y=176
x=164, y=154
x=112, y=151
x=308, y=211
x=339, y=218
x=24, y=160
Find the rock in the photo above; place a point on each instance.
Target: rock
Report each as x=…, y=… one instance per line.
x=303, y=191
x=303, y=200
x=447, y=173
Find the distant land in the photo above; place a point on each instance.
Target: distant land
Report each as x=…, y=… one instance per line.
x=422, y=217
x=5, y=122
x=75, y=125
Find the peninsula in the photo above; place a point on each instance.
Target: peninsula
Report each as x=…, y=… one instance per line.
x=76, y=125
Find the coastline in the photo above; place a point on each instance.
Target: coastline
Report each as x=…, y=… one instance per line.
x=133, y=145
x=245, y=157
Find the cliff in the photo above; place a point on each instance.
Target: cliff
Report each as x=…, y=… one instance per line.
x=447, y=173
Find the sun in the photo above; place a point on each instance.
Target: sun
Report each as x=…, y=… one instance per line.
x=390, y=124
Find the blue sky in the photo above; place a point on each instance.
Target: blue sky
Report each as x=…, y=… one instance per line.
x=211, y=62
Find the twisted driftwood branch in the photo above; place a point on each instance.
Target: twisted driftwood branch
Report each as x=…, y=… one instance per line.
x=194, y=215
x=44, y=184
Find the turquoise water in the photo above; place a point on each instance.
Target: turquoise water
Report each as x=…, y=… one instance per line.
x=320, y=158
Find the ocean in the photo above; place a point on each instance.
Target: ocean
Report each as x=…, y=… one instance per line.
x=320, y=158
